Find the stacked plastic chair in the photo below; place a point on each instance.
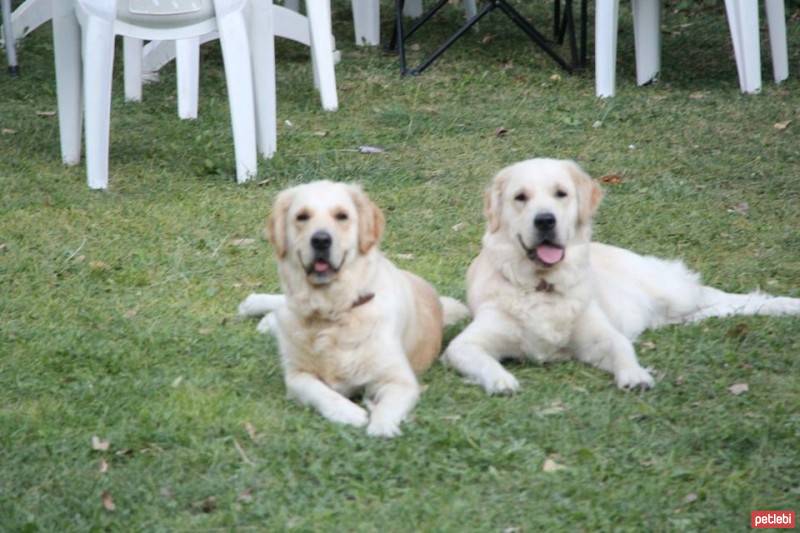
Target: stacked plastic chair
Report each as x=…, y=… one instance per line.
x=743, y=21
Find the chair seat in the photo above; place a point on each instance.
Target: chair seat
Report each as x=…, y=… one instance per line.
x=158, y=14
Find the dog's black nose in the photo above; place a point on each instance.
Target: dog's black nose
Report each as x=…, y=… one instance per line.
x=321, y=240
x=544, y=221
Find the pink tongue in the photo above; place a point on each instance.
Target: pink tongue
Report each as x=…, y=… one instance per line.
x=549, y=255
x=321, y=266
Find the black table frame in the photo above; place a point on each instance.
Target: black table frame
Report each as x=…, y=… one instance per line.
x=563, y=27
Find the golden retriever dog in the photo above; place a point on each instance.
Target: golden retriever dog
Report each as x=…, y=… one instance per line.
x=348, y=321
x=541, y=290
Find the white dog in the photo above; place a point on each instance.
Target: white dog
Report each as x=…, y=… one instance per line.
x=349, y=321
x=539, y=290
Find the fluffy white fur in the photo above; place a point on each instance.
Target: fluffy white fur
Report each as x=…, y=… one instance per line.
x=591, y=304
x=363, y=326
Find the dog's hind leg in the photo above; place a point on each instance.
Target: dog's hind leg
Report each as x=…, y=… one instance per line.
x=716, y=303
x=260, y=304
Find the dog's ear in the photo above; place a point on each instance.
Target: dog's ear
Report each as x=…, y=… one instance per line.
x=589, y=192
x=370, y=220
x=493, y=201
x=276, y=223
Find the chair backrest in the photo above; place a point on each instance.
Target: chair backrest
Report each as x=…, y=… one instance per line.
x=164, y=13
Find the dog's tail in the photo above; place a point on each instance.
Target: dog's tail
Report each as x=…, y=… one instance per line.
x=261, y=304
x=714, y=302
x=453, y=310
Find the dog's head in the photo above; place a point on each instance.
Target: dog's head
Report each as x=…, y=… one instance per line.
x=323, y=226
x=542, y=205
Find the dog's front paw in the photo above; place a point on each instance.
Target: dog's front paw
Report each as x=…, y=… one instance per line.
x=500, y=382
x=634, y=377
x=346, y=412
x=383, y=428
x=267, y=324
x=251, y=306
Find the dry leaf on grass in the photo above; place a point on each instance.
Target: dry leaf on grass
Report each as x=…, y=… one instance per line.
x=242, y=242
x=3, y=247
x=98, y=266
x=555, y=77
x=208, y=505
x=500, y=132
x=690, y=498
x=459, y=226
x=177, y=381
x=246, y=496
x=780, y=126
x=103, y=467
x=130, y=313
x=554, y=408
x=741, y=208
x=108, y=501
x=99, y=444
x=367, y=149
x=697, y=95
x=550, y=465
x=486, y=39
x=404, y=256
x=8, y=131
x=45, y=114
x=251, y=431
x=320, y=133
x=611, y=179
x=738, y=388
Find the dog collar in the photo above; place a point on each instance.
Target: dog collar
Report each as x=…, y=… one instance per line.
x=364, y=298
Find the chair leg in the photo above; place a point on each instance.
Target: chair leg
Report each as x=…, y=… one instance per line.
x=647, y=39
x=132, y=68
x=413, y=8
x=187, y=69
x=743, y=21
x=367, y=21
x=470, y=8
x=776, y=19
x=67, y=53
x=8, y=35
x=319, y=21
x=605, y=61
x=238, y=76
x=262, y=48
x=98, y=48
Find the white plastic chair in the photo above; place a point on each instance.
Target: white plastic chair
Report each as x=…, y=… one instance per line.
x=367, y=17
x=743, y=20
x=9, y=37
x=145, y=60
x=246, y=35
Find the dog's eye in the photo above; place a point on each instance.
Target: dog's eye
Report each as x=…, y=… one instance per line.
x=302, y=217
x=341, y=216
x=521, y=197
x=561, y=194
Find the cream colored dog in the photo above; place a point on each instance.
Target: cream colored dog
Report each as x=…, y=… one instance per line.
x=349, y=321
x=539, y=290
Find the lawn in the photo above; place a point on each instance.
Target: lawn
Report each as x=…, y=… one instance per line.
x=117, y=308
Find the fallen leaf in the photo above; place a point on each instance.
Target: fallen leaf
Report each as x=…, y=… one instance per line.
x=782, y=125
x=208, y=505
x=367, y=149
x=321, y=133
x=243, y=242
x=246, y=496
x=3, y=247
x=264, y=182
x=691, y=497
x=738, y=388
x=103, y=467
x=697, y=95
x=680, y=380
x=486, y=39
x=251, y=431
x=177, y=381
x=611, y=179
x=98, y=266
x=647, y=345
x=204, y=331
x=130, y=313
x=555, y=77
x=512, y=529
x=597, y=123
x=550, y=465
x=404, y=256
x=741, y=208
x=554, y=408
x=46, y=113
x=459, y=226
x=288, y=123
x=166, y=493
x=108, y=502
x=99, y=444
x=415, y=47
x=124, y=451
x=500, y=132
x=8, y=131
x=739, y=331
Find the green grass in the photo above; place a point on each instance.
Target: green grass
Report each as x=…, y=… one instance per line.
x=117, y=308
